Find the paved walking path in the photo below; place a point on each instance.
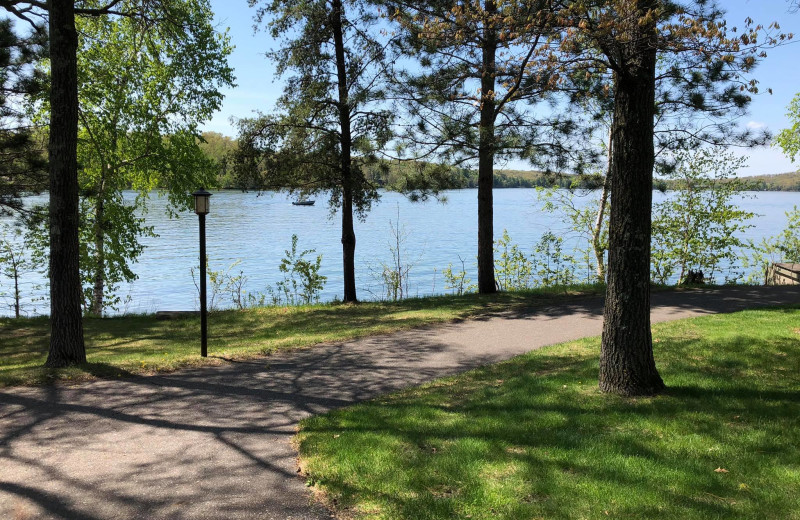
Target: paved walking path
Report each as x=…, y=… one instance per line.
x=215, y=442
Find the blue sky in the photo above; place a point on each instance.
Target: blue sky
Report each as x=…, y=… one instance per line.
x=258, y=87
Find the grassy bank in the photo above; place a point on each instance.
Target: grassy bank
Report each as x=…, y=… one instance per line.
x=121, y=346
x=533, y=437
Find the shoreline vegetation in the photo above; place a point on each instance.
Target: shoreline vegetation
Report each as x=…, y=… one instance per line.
x=465, y=179
x=391, y=174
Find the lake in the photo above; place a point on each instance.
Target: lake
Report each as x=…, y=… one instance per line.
x=256, y=230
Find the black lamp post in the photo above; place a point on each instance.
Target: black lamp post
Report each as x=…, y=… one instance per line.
x=201, y=205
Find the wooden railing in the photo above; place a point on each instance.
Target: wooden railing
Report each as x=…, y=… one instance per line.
x=784, y=274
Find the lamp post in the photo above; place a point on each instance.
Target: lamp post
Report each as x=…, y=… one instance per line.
x=201, y=206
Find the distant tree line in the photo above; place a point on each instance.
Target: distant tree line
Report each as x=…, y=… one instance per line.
x=777, y=182
x=394, y=175
x=218, y=147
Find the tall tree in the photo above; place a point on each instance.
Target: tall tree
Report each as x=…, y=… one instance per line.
x=481, y=68
x=66, y=328
x=329, y=124
x=144, y=89
x=683, y=46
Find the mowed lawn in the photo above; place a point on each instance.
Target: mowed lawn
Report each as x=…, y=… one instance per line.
x=117, y=347
x=534, y=438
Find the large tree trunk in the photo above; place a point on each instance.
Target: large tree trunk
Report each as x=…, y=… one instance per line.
x=348, y=231
x=627, y=366
x=486, y=147
x=348, y=247
x=66, y=328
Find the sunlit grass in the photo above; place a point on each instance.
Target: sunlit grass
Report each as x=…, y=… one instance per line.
x=534, y=438
x=142, y=344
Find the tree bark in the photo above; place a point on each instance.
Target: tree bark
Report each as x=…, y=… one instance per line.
x=66, y=328
x=597, y=230
x=486, y=148
x=346, y=166
x=627, y=366
x=99, y=247
x=15, y=269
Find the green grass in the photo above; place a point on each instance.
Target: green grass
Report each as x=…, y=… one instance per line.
x=534, y=438
x=118, y=347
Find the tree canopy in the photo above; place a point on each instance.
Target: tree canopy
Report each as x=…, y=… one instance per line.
x=22, y=150
x=144, y=89
x=789, y=138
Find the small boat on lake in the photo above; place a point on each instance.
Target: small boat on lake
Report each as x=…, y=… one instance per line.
x=303, y=202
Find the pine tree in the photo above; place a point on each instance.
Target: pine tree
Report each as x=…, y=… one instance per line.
x=480, y=69
x=22, y=156
x=683, y=52
x=330, y=123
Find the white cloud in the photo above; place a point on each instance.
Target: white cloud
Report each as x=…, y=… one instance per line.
x=756, y=125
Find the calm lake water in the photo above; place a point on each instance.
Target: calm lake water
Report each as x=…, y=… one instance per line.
x=256, y=230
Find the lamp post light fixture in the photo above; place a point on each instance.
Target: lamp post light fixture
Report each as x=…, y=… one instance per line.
x=201, y=207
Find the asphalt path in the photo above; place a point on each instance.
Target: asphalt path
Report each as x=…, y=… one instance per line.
x=215, y=442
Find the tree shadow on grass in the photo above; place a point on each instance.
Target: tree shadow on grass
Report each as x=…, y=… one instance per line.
x=568, y=451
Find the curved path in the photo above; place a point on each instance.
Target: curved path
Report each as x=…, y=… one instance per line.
x=215, y=442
